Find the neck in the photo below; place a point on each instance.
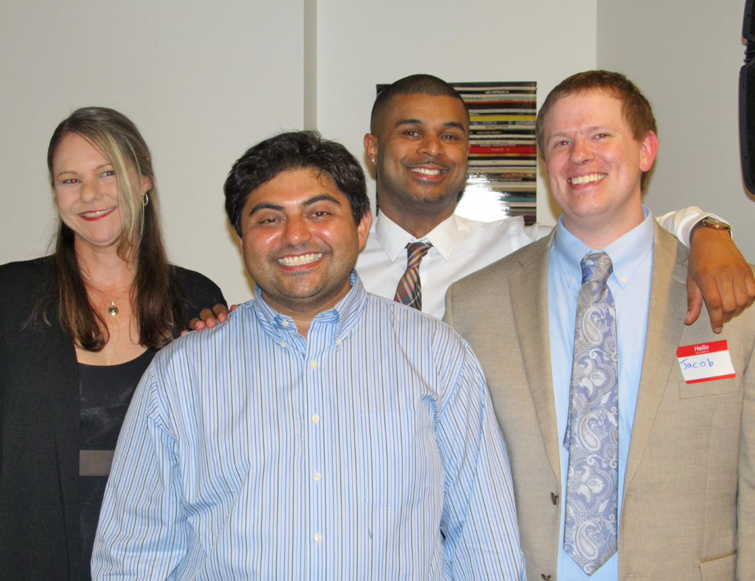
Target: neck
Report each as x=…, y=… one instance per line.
x=418, y=223
x=599, y=236
x=104, y=267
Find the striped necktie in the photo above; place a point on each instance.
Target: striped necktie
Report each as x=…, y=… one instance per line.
x=409, y=290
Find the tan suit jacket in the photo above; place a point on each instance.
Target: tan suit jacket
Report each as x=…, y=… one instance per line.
x=689, y=503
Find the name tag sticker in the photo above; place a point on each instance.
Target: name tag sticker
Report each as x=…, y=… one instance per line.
x=705, y=362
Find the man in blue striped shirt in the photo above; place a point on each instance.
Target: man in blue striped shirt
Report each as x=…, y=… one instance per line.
x=322, y=432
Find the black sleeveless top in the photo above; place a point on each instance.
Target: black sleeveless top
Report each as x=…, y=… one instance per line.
x=106, y=393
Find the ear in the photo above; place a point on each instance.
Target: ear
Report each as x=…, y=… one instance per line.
x=147, y=184
x=371, y=147
x=363, y=229
x=648, y=152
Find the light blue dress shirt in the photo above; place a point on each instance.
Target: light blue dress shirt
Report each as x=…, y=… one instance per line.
x=368, y=451
x=632, y=258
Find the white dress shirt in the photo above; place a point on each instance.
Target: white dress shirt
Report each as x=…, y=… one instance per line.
x=460, y=247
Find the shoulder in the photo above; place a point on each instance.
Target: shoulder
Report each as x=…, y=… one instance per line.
x=26, y=282
x=501, y=269
x=27, y=270
x=192, y=281
x=209, y=348
x=197, y=290
x=409, y=325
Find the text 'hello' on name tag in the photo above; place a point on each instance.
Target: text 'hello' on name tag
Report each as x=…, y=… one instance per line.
x=705, y=362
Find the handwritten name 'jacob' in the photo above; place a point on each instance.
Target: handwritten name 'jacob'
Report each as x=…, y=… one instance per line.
x=695, y=364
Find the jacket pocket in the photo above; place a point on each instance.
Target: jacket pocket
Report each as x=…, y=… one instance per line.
x=710, y=388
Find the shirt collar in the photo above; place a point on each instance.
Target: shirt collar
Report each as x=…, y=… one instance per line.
x=393, y=238
x=626, y=253
x=344, y=315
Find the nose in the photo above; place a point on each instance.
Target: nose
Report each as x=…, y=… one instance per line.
x=580, y=152
x=295, y=231
x=431, y=145
x=90, y=192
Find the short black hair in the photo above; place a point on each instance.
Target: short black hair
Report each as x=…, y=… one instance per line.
x=291, y=151
x=412, y=85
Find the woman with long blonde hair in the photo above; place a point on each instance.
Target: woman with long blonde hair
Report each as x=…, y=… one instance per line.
x=78, y=328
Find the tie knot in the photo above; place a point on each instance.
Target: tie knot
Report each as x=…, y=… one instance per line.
x=596, y=267
x=416, y=251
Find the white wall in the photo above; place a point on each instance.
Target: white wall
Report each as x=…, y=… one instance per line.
x=686, y=57
x=202, y=80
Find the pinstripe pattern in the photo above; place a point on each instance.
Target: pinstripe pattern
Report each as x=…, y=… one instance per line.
x=245, y=442
x=409, y=290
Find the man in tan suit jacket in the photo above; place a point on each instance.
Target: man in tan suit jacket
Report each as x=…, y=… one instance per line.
x=688, y=507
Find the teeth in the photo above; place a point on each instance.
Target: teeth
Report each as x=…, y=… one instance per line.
x=300, y=260
x=427, y=172
x=588, y=179
x=96, y=214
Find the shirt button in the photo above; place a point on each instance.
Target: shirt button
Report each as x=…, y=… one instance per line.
x=313, y=364
x=316, y=419
x=339, y=342
x=624, y=280
x=285, y=323
x=282, y=344
x=317, y=476
x=318, y=537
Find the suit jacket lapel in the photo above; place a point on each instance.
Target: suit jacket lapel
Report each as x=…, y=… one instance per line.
x=665, y=325
x=529, y=298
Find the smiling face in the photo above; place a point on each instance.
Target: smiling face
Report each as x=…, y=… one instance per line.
x=595, y=166
x=420, y=148
x=86, y=192
x=300, y=241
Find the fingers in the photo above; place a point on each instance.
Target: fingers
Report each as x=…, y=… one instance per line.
x=196, y=324
x=744, y=291
x=219, y=314
x=694, y=302
x=210, y=318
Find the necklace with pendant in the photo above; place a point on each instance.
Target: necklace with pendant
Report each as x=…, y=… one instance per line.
x=113, y=308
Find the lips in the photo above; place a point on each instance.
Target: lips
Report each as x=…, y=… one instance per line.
x=96, y=214
x=586, y=179
x=428, y=170
x=300, y=260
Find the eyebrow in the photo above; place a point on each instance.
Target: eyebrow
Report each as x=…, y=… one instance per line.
x=448, y=124
x=313, y=200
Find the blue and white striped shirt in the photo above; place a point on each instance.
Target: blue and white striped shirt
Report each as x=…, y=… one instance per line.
x=368, y=451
